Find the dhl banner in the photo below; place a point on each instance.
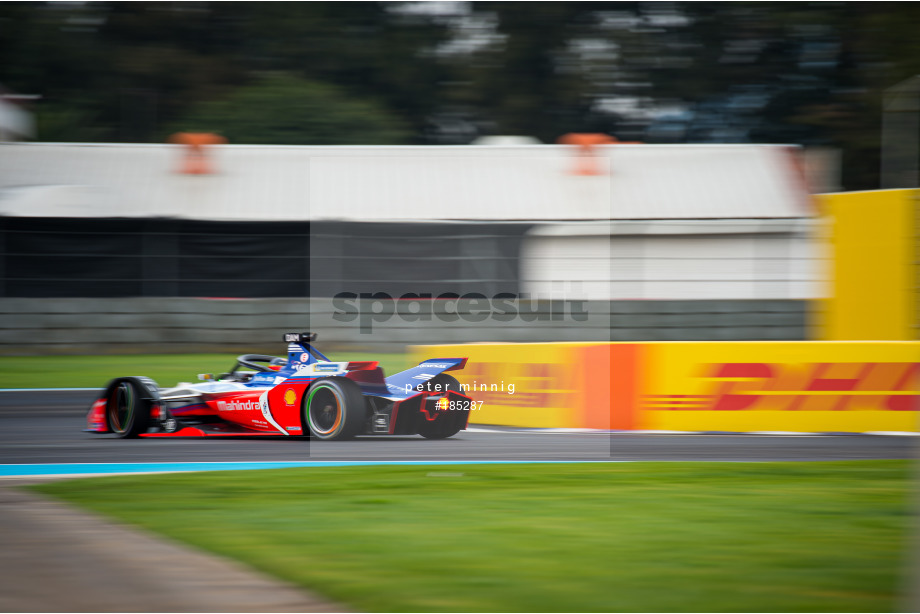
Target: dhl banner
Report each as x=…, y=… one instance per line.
x=689, y=386
x=537, y=385
x=780, y=386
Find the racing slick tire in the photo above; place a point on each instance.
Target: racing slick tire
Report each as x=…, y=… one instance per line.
x=127, y=407
x=334, y=408
x=442, y=429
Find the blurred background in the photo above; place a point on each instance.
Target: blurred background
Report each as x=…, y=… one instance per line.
x=315, y=73
x=161, y=158
x=187, y=177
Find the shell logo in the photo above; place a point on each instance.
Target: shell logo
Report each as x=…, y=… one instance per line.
x=290, y=397
x=442, y=404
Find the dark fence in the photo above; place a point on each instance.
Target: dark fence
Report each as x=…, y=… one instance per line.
x=97, y=258
x=157, y=285
x=415, y=258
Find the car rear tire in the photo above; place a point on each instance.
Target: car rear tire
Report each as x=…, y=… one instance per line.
x=441, y=428
x=127, y=407
x=334, y=408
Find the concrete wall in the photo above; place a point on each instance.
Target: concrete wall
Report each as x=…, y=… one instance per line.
x=162, y=325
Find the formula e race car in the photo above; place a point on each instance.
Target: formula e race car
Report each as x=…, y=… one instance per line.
x=303, y=395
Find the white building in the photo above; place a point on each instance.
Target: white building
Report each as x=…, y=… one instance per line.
x=655, y=222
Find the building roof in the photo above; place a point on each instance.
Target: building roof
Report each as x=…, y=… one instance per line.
x=535, y=182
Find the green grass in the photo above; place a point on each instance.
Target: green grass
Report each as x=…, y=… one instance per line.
x=766, y=537
x=166, y=370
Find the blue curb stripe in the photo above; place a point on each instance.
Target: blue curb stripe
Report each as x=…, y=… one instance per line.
x=52, y=389
x=51, y=469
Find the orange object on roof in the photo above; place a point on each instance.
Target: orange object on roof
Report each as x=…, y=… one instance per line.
x=586, y=163
x=196, y=161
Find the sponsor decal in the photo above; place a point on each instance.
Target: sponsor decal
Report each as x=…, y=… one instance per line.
x=799, y=387
x=304, y=357
x=267, y=414
x=236, y=405
x=434, y=365
x=290, y=397
x=325, y=368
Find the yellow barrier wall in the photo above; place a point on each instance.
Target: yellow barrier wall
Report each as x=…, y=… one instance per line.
x=780, y=386
x=547, y=382
x=873, y=266
x=802, y=386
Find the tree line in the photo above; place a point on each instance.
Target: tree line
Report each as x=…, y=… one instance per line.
x=447, y=73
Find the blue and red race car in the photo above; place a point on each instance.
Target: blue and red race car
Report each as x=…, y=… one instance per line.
x=304, y=395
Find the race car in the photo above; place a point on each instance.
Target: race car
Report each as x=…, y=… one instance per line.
x=305, y=394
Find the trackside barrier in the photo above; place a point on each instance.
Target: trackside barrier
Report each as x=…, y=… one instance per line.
x=806, y=386
x=873, y=267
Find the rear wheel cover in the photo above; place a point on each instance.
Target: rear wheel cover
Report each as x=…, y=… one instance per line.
x=447, y=425
x=334, y=408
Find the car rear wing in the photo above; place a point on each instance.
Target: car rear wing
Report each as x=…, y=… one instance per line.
x=411, y=381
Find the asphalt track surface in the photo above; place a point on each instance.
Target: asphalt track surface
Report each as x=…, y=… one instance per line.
x=47, y=427
x=58, y=559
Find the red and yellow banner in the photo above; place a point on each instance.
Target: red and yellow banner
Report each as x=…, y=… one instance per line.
x=780, y=386
x=520, y=384
x=689, y=386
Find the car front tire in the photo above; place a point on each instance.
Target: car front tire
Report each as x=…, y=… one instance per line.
x=127, y=407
